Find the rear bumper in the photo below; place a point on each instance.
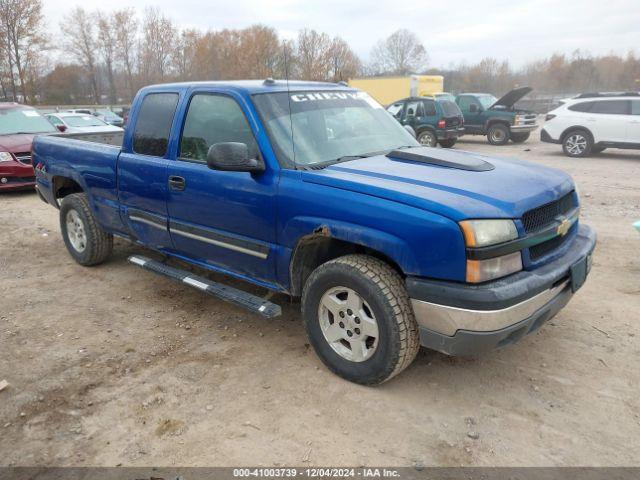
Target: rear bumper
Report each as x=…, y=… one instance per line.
x=463, y=319
x=545, y=137
x=450, y=133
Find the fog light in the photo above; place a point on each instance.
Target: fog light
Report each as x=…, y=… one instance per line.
x=3, y=180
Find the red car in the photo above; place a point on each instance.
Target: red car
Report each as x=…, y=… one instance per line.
x=18, y=125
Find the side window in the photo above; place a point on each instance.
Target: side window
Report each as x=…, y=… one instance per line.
x=429, y=108
x=55, y=120
x=151, y=135
x=465, y=102
x=395, y=109
x=414, y=109
x=611, y=107
x=581, y=107
x=214, y=119
x=635, y=107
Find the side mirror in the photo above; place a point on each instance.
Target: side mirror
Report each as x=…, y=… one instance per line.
x=409, y=129
x=61, y=128
x=232, y=157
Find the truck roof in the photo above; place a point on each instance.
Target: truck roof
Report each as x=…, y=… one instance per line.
x=254, y=86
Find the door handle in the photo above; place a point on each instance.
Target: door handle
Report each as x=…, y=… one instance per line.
x=176, y=183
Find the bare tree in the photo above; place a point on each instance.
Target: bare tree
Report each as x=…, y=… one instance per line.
x=313, y=55
x=157, y=45
x=126, y=31
x=107, y=43
x=79, y=31
x=21, y=26
x=344, y=63
x=401, y=53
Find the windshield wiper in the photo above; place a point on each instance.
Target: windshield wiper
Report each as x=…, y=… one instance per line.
x=344, y=158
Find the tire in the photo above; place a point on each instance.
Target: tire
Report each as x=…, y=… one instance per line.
x=85, y=240
x=577, y=143
x=382, y=297
x=520, y=137
x=498, y=134
x=427, y=138
x=448, y=143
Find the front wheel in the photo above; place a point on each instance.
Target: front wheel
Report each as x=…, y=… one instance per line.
x=359, y=319
x=85, y=240
x=448, y=143
x=498, y=134
x=519, y=137
x=427, y=138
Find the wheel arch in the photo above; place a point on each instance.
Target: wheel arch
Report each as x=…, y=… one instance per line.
x=321, y=246
x=568, y=130
x=62, y=186
x=493, y=120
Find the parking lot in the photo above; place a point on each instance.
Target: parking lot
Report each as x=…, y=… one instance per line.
x=113, y=365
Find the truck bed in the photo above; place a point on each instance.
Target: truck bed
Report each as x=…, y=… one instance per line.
x=114, y=138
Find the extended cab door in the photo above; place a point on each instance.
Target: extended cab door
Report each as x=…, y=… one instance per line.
x=225, y=219
x=142, y=169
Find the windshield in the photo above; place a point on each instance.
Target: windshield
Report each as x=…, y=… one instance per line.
x=327, y=126
x=23, y=120
x=487, y=100
x=108, y=114
x=83, y=121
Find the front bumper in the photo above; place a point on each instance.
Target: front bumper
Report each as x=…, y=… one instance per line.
x=523, y=128
x=16, y=176
x=464, y=319
x=450, y=133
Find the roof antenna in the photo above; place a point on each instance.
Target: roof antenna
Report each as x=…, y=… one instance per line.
x=286, y=74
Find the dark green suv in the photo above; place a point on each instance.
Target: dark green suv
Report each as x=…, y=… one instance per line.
x=433, y=120
x=498, y=119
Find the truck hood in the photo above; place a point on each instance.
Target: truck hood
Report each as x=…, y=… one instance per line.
x=509, y=99
x=508, y=190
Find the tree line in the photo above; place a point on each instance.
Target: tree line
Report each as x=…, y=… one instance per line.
x=105, y=57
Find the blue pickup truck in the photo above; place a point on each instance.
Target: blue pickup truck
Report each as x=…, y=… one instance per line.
x=313, y=190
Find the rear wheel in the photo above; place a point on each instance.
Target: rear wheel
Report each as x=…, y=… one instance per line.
x=448, y=143
x=427, y=138
x=498, y=134
x=85, y=240
x=359, y=320
x=519, y=137
x=577, y=143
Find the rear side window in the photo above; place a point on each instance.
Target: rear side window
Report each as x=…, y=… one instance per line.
x=635, y=107
x=581, y=107
x=395, y=109
x=151, y=135
x=611, y=107
x=430, y=109
x=214, y=119
x=449, y=108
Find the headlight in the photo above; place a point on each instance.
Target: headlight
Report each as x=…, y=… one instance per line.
x=483, y=270
x=482, y=233
x=6, y=157
x=485, y=233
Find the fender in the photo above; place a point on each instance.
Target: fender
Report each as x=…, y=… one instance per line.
x=492, y=120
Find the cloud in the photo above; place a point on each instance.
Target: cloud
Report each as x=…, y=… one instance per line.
x=464, y=31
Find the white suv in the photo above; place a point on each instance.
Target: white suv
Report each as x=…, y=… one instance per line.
x=589, y=125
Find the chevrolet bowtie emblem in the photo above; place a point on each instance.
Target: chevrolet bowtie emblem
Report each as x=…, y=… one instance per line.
x=564, y=227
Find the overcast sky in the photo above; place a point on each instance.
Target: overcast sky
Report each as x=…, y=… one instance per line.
x=452, y=31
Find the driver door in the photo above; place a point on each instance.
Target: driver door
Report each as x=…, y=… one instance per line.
x=221, y=218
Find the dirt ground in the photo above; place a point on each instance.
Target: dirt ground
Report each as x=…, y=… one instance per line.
x=113, y=365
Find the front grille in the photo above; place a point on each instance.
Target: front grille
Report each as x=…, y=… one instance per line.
x=24, y=157
x=544, y=248
x=545, y=215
